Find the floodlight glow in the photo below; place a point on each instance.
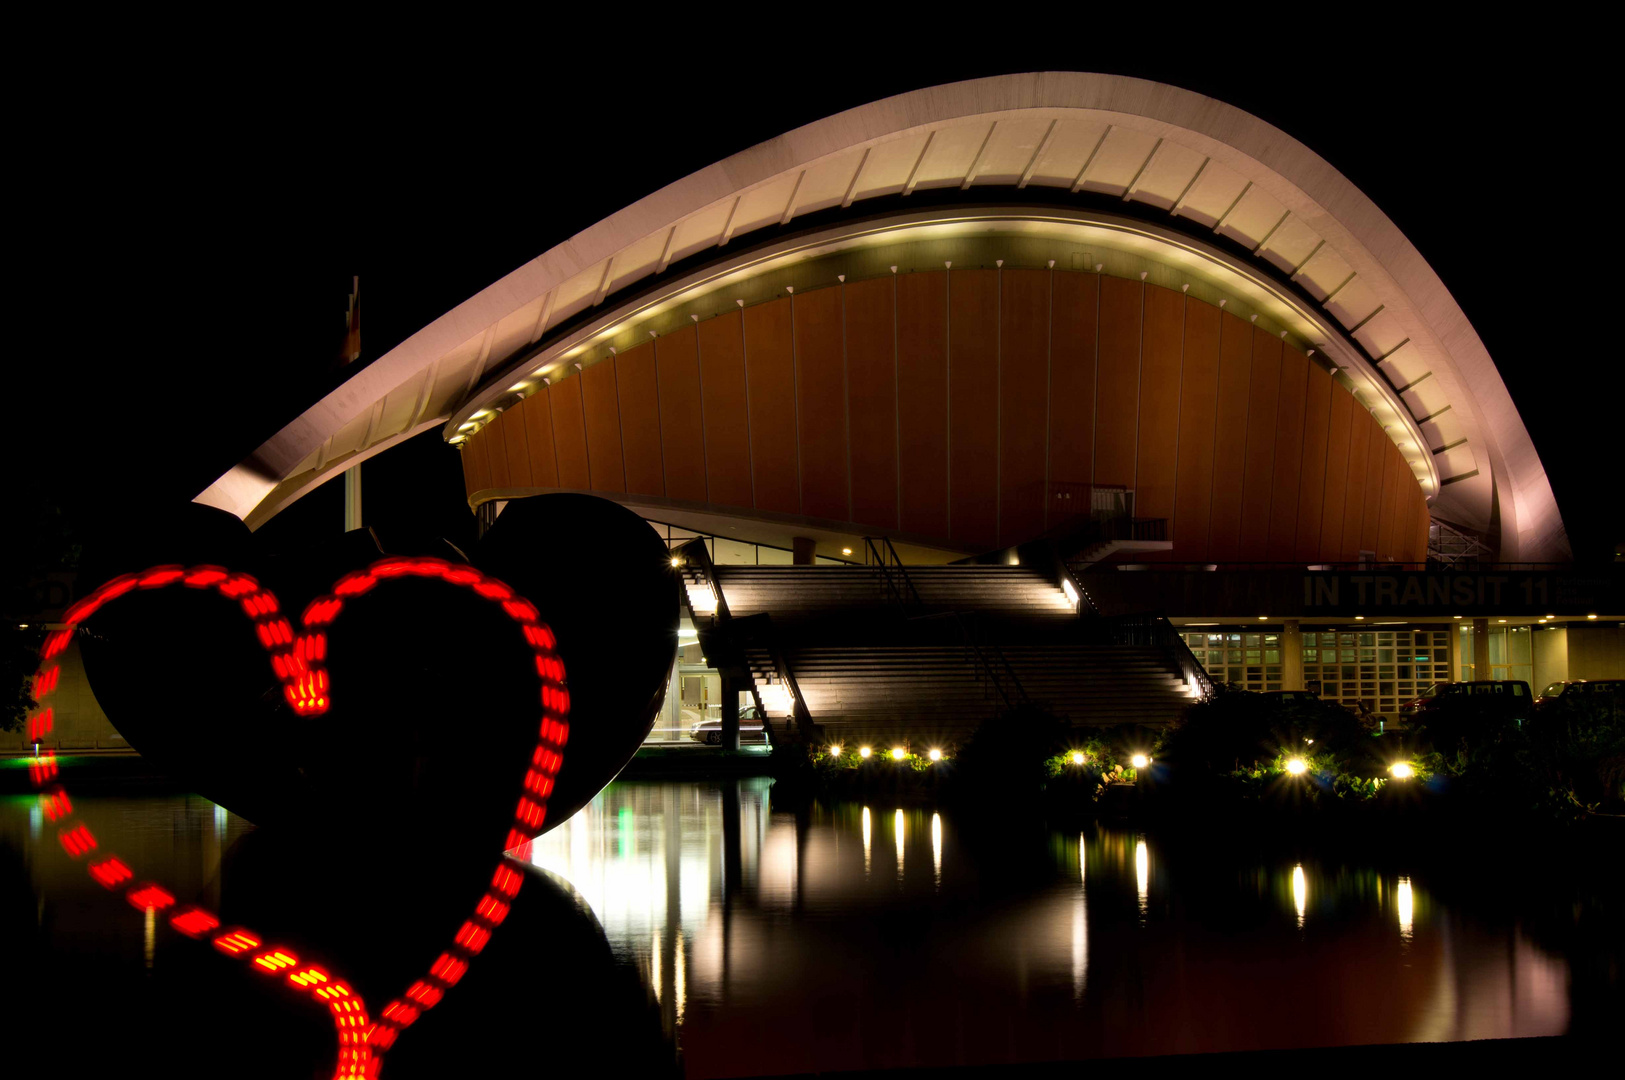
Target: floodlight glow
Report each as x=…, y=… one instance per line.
x=835, y=751
x=1139, y=761
x=864, y=751
x=846, y=551
x=1071, y=593
x=898, y=753
x=1077, y=757
x=935, y=754
x=1297, y=766
x=675, y=561
x=1401, y=770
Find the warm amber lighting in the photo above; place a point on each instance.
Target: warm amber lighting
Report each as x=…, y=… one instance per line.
x=864, y=751
x=835, y=751
x=1300, y=892
x=1406, y=904
x=1297, y=766
x=1359, y=618
x=898, y=753
x=1077, y=757
x=846, y=551
x=1401, y=770
x=1262, y=618
x=1139, y=761
x=675, y=561
x=935, y=754
x=1591, y=616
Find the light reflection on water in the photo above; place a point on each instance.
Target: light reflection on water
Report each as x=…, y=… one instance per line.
x=776, y=944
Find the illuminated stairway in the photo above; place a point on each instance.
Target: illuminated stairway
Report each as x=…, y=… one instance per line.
x=870, y=667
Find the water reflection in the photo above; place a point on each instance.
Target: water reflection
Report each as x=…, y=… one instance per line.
x=815, y=964
x=1406, y=909
x=765, y=945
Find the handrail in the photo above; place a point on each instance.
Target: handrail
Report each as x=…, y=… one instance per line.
x=980, y=645
x=901, y=587
x=758, y=629
x=1156, y=631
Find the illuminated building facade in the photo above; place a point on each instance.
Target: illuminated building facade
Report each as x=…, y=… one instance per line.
x=964, y=317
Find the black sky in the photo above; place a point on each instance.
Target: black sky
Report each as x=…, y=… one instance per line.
x=199, y=235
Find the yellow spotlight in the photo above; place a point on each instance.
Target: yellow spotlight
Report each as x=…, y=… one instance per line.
x=1455, y=616
x=864, y=751
x=1591, y=616
x=835, y=751
x=1077, y=757
x=1359, y=618
x=1263, y=618
x=1401, y=770
x=1500, y=620
x=675, y=561
x=1297, y=766
x=846, y=551
x=898, y=753
x=1139, y=761
x=935, y=754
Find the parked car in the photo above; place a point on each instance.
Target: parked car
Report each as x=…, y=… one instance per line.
x=1511, y=696
x=1290, y=697
x=751, y=729
x=1570, y=687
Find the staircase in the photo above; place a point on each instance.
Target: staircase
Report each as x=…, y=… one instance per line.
x=868, y=665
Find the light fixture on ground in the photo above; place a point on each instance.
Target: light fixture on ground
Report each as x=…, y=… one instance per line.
x=835, y=751
x=1077, y=757
x=1401, y=770
x=935, y=754
x=1139, y=761
x=864, y=751
x=675, y=561
x=898, y=753
x=1297, y=766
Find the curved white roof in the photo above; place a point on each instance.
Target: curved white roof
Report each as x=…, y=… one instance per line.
x=1210, y=167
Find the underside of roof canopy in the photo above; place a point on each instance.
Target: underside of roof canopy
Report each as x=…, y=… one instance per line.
x=1136, y=174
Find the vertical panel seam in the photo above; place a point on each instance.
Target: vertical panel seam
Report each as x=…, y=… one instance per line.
x=948, y=397
x=998, y=403
x=750, y=438
x=524, y=437
x=1139, y=381
x=1179, y=420
x=795, y=396
x=705, y=449
x=620, y=434
x=660, y=423
x=1049, y=386
x=896, y=408
x=846, y=392
x=1094, y=400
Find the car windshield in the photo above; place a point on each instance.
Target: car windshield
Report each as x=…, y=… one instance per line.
x=1553, y=690
x=1436, y=689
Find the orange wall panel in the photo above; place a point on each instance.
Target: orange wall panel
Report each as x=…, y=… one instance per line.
x=479, y=460
x=639, y=394
x=517, y=447
x=1340, y=420
x=727, y=419
x=1230, y=438
x=1372, y=518
x=538, y=413
x=603, y=418
x=496, y=447
x=1360, y=428
x=1198, y=402
x=1394, y=474
x=465, y=457
x=1024, y=320
x=1074, y=307
x=1312, y=483
x=1117, y=383
x=569, y=434
x=1258, y=478
x=682, y=420
x=1157, y=453
x=770, y=379
x=821, y=403
x=922, y=401
x=1419, y=542
x=1289, y=440
x=871, y=400
x=973, y=411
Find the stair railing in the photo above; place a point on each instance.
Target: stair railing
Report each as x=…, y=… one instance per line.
x=894, y=579
x=1155, y=631
x=991, y=659
x=758, y=630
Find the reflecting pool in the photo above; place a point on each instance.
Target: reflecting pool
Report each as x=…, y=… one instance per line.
x=694, y=929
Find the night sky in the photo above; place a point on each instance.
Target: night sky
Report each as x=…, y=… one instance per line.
x=192, y=290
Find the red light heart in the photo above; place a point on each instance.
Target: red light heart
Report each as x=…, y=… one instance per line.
x=299, y=661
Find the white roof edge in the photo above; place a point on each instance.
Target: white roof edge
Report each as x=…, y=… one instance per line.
x=1295, y=174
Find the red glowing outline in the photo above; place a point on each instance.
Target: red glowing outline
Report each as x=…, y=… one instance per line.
x=299, y=663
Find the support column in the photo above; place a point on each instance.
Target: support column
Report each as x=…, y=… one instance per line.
x=730, y=712
x=352, y=498
x=1480, y=668
x=803, y=548
x=1291, y=656
x=1456, y=671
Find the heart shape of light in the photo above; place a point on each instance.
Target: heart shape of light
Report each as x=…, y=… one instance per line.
x=299, y=660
